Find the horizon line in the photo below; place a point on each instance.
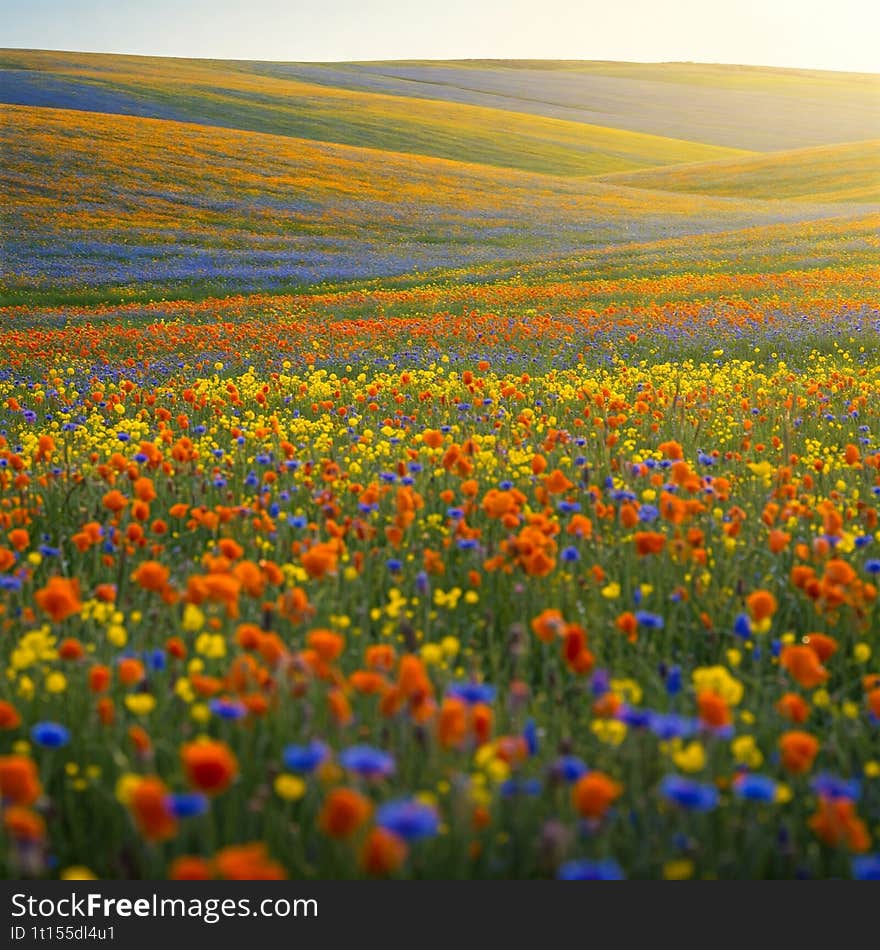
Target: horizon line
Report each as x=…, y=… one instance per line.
x=450, y=59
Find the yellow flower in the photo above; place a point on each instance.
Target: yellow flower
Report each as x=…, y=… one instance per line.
x=861, y=653
x=498, y=771
x=289, y=787
x=690, y=758
x=718, y=680
x=484, y=755
x=211, y=645
x=609, y=731
x=783, y=794
x=117, y=634
x=681, y=869
x=746, y=752
x=628, y=690
x=141, y=704
x=193, y=619
x=56, y=682
x=26, y=688
x=125, y=787
x=77, y=872
x=184, y=689
x=432, y=654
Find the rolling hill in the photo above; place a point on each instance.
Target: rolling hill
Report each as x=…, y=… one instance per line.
x=129, y=178
x=241, y=96
x=110, y=202
x=849, y=172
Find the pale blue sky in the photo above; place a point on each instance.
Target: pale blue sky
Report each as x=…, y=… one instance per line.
x=822, y=34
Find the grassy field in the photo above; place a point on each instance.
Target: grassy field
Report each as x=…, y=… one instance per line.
x=849, y=172
x=438, y=485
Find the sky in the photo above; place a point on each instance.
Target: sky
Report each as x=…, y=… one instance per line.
x=818, y=34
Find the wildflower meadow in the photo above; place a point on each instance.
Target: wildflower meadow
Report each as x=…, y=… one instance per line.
x=381, y=496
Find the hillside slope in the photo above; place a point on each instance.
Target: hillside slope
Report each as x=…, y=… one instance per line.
x=239, y=96
x=849, y=172
x=110, y=203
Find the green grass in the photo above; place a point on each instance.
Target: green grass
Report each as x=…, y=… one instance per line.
x=849, y=172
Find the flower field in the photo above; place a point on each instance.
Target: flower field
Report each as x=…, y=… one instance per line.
x=544, y=558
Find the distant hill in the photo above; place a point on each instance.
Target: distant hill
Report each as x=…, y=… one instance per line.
x=849, y=172
x=258, y=97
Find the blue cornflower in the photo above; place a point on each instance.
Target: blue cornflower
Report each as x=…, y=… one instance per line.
x=866, y=867
x=190, y=805
x=569, y=768
x=367, y=761
x=756, y=788
x=227, y=708
x=649, y=620
x=472, y=693
x=742, y=626
x=52, y=735
x=408, y=819
x=689, y=794
x=631, y=716
x=585, y=870
x=529, y=787
x=671, y=726
x=832, y=786
x=600, y=683
x=530, y=734
x=305, y=758
x=155, y=659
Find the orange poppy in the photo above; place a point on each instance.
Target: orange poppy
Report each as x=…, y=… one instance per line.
x=210, y=765
x=344, y=812
x=594, y=793
x=799, y=750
